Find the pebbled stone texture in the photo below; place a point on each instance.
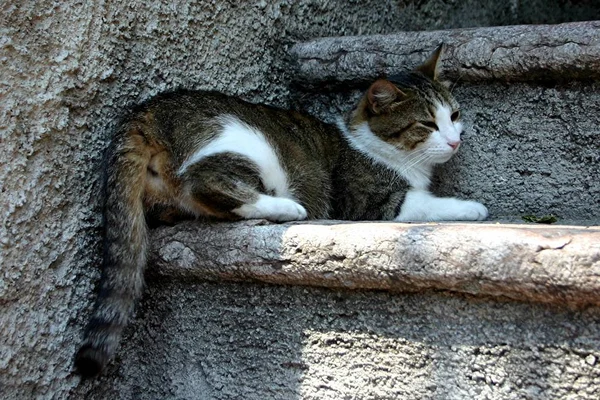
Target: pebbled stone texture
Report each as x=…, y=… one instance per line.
x=68, y=69
x=247, y=341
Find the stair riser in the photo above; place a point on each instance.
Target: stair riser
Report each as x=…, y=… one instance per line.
x=244, y=341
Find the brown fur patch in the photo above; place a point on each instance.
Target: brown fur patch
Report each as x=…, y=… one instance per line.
x=162, y=185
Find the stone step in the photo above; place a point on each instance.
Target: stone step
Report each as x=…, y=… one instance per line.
x=383, y=310
x=508, y=53
x=216, y=341
x=552, y=264
x=454, y=332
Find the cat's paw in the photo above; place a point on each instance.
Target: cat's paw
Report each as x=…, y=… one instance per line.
x=468, y=210
x=286, y=210
x=421, y=205
x=278, y=209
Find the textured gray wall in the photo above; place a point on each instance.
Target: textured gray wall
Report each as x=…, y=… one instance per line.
x=67, y=70
x=212, y=341
x=530, y=149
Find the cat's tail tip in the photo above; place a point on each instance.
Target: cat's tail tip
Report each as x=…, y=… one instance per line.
x=90, y=361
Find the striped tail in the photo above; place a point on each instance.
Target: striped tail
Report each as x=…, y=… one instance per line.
x=125, y=251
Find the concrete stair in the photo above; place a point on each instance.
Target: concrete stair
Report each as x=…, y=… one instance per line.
x=336, y=310
x=555, y=264
x=523, y=53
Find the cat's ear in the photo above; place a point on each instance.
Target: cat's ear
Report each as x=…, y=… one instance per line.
x=383, y=94
x=431, y=67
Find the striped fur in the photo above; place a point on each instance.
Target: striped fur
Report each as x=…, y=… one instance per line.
x=125, y=250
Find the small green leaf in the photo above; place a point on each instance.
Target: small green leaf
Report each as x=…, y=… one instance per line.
x=546, y=219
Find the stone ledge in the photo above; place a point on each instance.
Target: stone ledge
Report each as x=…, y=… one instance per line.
x=509, y=53
x=553, y=264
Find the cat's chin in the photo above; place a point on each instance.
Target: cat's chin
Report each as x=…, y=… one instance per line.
x=442, y=158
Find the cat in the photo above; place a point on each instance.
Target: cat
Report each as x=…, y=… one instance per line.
x=202, y=153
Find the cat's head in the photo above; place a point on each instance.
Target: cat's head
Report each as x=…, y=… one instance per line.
x=413, y=112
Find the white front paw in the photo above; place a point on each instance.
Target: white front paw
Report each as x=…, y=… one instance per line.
x=470, y=211
x=277, y=209
x=286, y=210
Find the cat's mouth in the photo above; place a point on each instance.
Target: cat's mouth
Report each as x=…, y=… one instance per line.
x=454, y=146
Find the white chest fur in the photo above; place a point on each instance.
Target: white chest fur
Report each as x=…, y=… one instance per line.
x=407, y=165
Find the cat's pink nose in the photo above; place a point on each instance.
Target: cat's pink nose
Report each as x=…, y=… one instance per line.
x=454, y=145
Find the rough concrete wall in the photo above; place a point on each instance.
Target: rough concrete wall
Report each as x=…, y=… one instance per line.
x=535, y=149
x=448, y=14
x=244, y=341
x=67, y=70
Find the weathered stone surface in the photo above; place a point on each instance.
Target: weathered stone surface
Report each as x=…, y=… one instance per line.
x=511, y=53
x=68, y=70
x=556, y=264
x=215, y=341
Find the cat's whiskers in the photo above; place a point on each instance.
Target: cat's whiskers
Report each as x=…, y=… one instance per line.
x=412, y=159
x=415, y=153
x=417, y=160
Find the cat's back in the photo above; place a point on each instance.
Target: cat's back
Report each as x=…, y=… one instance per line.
x=180, y=131
x=186, y=120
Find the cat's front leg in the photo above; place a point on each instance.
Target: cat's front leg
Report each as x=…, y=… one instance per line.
x=420, y=205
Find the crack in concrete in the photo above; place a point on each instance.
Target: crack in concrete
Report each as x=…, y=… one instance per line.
x=556, y=247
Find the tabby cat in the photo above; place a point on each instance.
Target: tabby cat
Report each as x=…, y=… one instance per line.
x=203, y=153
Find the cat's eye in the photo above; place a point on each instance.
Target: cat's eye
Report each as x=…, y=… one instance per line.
x=455, y=115
x=430, y=124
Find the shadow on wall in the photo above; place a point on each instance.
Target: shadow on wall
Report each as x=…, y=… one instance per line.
x=473, y=13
